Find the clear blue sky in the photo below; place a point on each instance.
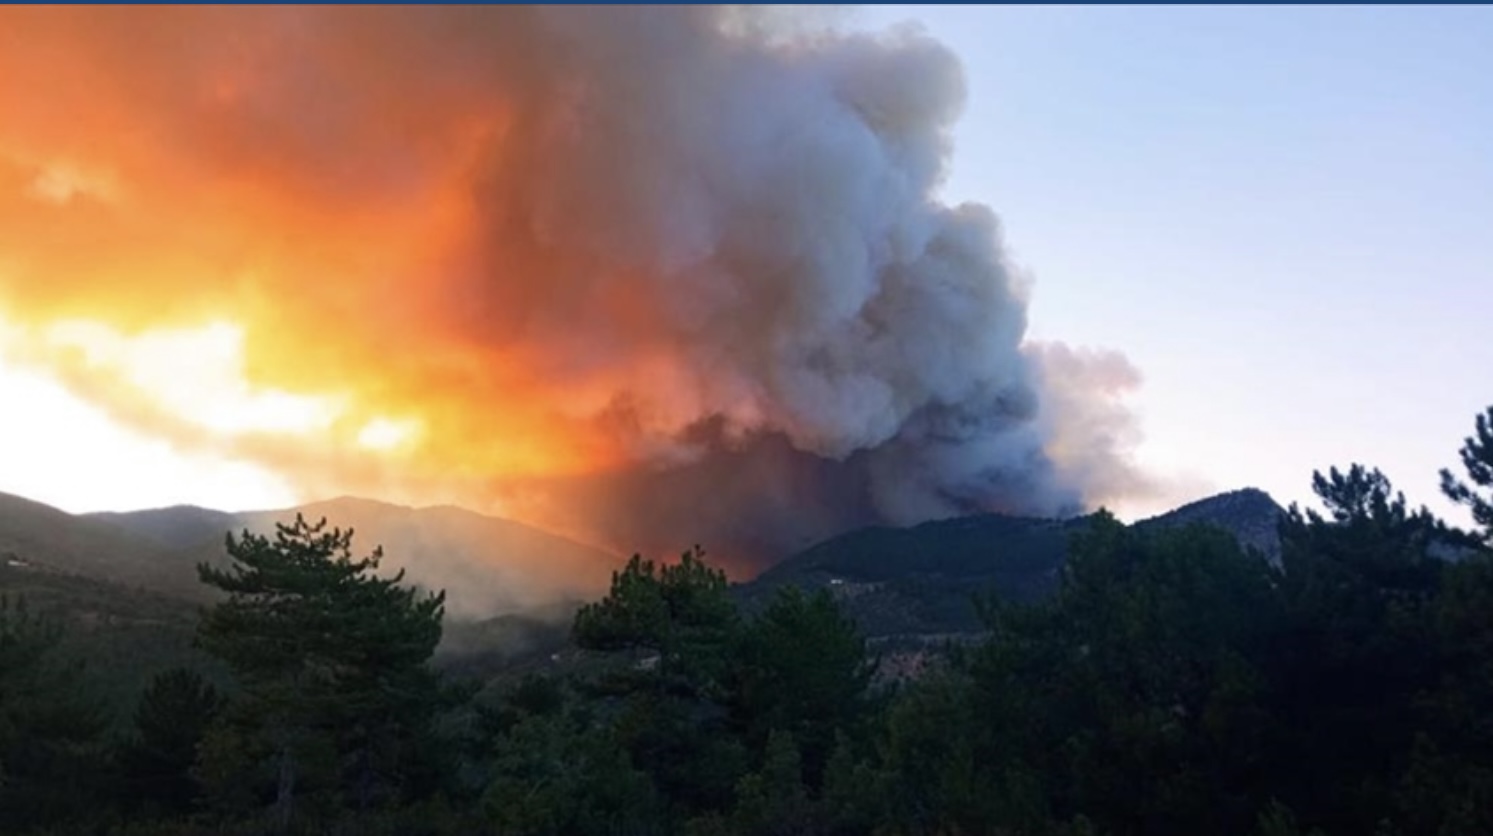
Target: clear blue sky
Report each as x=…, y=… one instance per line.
x=1283, y=216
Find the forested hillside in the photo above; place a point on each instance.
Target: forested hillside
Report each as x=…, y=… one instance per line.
x=1166, y=680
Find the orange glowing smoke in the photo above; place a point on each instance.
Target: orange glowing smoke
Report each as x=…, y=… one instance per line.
x=523, y=259
x=173, y=168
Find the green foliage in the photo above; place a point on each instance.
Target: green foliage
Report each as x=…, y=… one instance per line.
x=1448, y=787
x=802, y=670
x=1360, y=591
x=673, y=631
x=1130, y=698
x=1171, y=683
x=930, y=774
x=50, y=725
x=699, y=695
x=772, y=801
x=558, y=775
x=124, y=636
x=171, y=721
x=1278, y=820
x=337, y=699
x=677, y=621
x=853, y=793
x=1477, y=460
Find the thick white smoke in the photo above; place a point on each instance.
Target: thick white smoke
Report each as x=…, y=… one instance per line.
x=771, y=203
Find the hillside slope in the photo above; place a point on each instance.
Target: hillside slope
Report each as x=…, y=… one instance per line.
x=123, y=635
x=125, y=584
x=922, y=581
x=179, y=526
x=487, y=566
x=39, y=534
x=1249, y=514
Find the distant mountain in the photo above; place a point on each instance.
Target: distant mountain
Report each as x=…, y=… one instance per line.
x=126, y=583
x=101, y=548
x=896, y=581
x=487, y=566
x=130, y=578
x=177, y=527
x=126, y=635
x=1248, y=514
x=919, y=582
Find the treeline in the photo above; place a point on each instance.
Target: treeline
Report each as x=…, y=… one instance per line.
x=1175, y=684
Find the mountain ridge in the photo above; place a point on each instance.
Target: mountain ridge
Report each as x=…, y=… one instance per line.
x=1250, y=514
x=491, y=566
x=921, y=580
x=37, y=533
x=511, y=589
x=488, y=565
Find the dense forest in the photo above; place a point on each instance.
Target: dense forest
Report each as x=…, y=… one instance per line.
x=1175, y=682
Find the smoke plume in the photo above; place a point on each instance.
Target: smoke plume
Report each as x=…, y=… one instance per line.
x=649, y=275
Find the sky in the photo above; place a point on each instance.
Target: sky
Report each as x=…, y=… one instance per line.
x=1279, y=215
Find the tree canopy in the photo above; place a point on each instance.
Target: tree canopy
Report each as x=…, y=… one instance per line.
x=1174, y=682
x=336, y=694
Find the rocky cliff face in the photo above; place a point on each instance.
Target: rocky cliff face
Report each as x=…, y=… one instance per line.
x=1249, y=514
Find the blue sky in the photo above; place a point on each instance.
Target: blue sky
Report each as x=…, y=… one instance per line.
x=1283, y=216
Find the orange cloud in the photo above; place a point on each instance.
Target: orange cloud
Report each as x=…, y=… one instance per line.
x=577, y=258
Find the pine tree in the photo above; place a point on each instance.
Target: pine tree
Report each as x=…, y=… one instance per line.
x=171, y=720
x=1360, y=592
x=773, y=800
x=50, y=724
x=679, y=617
x=803, y=669
x=332, y=661
x=1477, y=459
x=673, y=630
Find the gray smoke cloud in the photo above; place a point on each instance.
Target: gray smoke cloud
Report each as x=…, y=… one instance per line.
x=853, y=349
x=714, y=234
